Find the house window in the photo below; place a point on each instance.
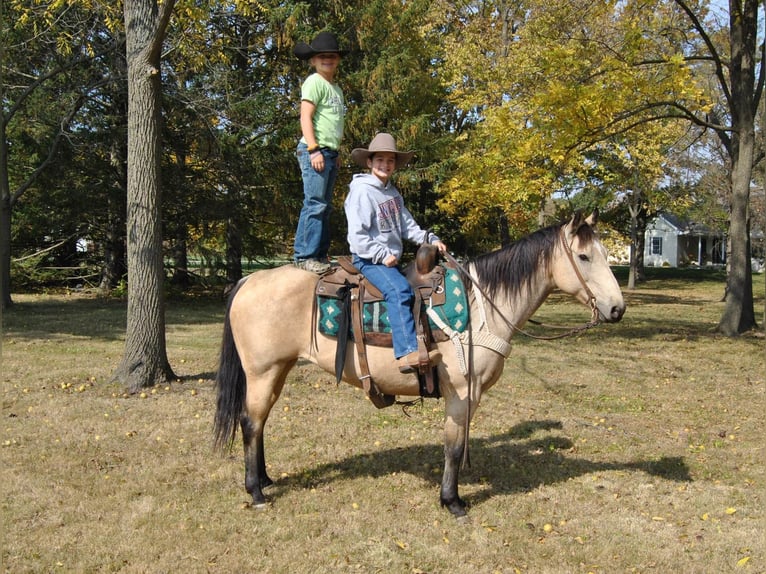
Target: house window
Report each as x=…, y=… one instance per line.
x=656, y=245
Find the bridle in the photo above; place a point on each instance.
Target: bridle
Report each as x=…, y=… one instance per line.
x=595, y=320
x=468, y=277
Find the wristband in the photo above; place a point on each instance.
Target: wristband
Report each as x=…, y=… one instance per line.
x=312, y=149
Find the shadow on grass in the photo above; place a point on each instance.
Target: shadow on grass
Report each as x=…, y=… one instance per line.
x=98, y=317
x=511, y=462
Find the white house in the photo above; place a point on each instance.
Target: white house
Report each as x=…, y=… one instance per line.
x=673, y=242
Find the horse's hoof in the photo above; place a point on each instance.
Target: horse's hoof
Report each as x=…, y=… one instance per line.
x=456, y=507
x=258, y=506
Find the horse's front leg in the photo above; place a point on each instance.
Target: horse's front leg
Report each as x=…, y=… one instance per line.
x=256, y=478
x=453, y=456
x=456, y=411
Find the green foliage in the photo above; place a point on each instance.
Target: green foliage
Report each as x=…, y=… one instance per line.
x=506, y=105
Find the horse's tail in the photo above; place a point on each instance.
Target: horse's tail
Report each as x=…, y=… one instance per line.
x=230, y=383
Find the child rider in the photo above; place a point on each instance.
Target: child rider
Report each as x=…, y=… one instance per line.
x=378, y=222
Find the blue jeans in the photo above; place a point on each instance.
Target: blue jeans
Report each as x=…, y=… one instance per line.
x=312, y=238
x=399, y=298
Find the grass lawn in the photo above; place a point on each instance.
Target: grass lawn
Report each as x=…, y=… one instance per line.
x=635, y=447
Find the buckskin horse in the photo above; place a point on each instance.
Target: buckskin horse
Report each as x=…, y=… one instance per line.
x=270, y=324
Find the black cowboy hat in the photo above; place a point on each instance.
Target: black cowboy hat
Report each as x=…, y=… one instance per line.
x=323, y=43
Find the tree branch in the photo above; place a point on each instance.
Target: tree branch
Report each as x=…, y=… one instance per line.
x=623, y=124
x=761, y=78
x=711, y=48
x=51, y=152
x=166, y=11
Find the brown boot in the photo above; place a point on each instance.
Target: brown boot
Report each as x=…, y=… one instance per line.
x=410, y=363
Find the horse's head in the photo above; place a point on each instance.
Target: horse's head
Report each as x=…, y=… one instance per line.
x=581, y=269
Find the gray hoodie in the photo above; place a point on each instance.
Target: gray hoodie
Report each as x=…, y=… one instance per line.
x=378, y=221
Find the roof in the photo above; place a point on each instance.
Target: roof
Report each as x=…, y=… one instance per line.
x=688, y=227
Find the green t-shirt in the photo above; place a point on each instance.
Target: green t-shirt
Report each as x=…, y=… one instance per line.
x=330, y=110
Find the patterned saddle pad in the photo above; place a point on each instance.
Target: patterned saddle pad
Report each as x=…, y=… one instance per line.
x=454, y=311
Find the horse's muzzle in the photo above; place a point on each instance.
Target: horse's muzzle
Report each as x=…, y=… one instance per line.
x=616, y=314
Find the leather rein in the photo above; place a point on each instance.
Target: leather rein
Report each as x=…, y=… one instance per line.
x=572, y=330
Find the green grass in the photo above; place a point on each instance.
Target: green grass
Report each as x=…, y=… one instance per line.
x=635, y=447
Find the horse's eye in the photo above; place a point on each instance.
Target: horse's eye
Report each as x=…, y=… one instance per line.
x=584, y=257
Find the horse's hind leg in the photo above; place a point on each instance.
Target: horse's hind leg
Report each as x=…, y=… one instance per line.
x=263, y=390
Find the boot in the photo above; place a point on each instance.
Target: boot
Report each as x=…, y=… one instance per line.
x=410, y=363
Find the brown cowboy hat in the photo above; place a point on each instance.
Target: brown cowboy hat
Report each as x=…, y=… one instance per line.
x=323, y=43
x=380, y=143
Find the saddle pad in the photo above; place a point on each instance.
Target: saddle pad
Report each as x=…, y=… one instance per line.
x=454, y=311
x=374, y=320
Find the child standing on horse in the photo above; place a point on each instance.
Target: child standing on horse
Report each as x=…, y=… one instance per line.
x=322, y=116
x=378, y=222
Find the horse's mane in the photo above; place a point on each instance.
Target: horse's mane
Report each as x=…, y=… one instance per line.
x=510, y=270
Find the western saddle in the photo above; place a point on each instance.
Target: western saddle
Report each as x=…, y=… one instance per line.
x=353, y=290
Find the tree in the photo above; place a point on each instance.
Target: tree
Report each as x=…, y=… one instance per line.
x=573, y=74
x=145, y=360
x=43, y=87
x=742, y=94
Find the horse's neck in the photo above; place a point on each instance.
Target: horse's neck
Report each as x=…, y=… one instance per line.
x=506, y=313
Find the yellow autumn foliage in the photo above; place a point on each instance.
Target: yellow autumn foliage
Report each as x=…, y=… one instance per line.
x=567, y=79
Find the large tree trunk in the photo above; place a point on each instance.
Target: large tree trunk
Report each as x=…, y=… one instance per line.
x=145, y=361
x=739, y=312
x=640, y=270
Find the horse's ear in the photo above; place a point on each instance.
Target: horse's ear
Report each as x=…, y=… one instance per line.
x=592, y=219
x=575, y=222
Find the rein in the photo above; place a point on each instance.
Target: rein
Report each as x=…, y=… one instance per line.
x=572, y=330
x=592, y=323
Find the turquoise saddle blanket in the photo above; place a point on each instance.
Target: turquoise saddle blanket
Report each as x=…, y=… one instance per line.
x=454, y=311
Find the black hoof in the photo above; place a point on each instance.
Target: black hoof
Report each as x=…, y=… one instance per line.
x=260, y=503
x=456, y=506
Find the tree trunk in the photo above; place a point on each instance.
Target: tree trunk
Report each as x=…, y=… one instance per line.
x=638, y=218
x=632, y=255
x=641, y=220
x=5, y=213
x=145, y=361
x=5, y=225
x=233, y=252
x=180, y=257
x=739, y=311
x=113, y=266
